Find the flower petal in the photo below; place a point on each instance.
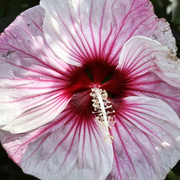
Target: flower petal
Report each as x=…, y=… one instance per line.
x=70, y=148
x=140, y=54
x=154, y=71
x=146, y=139
x=78, y=31
x=153, y=86
x=31, y=78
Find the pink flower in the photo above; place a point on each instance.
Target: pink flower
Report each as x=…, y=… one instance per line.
x=90, y=90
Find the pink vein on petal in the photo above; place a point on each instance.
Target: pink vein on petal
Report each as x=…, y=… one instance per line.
x=130, y=112
x=91, y=30
x=126, y=151
x=87, y=55
x=130, y=35
x=129, y=65
x=77, y=52
x=42, y=132
x=101, y=25
x=131, y=136
x=112, y=45
x=81, y=28
x=30, y=55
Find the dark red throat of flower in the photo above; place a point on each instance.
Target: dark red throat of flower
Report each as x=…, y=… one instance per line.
x=95, y=87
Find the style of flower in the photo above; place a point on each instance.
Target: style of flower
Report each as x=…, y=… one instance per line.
x=90, y=90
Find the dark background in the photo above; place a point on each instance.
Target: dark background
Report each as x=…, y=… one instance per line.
x=9, y=9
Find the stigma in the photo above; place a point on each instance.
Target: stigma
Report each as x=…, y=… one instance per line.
x=102, y=109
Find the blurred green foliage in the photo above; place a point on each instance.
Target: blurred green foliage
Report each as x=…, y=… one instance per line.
x=9, y=9
x=15, y=7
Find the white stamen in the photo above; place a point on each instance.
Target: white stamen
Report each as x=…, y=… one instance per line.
x=98, y=92
x=102, y=108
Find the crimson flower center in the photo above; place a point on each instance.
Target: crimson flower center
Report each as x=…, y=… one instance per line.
x=96, y=74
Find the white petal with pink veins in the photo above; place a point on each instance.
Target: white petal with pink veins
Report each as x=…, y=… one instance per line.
x=32, y=84
x=169, y=70
x=154, y=71
x=146, y=139
x=78, y=30
x=140, y=54
x=70, y=148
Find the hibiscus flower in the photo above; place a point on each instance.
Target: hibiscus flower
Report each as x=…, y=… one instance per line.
x=90, y=90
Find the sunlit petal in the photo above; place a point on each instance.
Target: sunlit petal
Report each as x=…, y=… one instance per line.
x=32, y=83
x=78, y=30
